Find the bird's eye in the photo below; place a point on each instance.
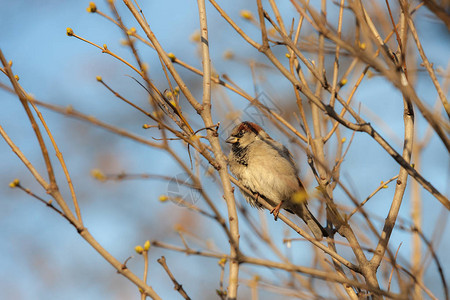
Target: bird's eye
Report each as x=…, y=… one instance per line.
x=239, y=134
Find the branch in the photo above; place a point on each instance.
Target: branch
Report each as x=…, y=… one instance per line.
x=178, y=287
x=213, y=139
x=162, y=54
x=324, y=275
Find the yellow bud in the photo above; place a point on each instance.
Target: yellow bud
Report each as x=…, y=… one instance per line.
x=221, y=294
x=171, y=56
x=272, y=31
x=69, y=109
x=131, y=31
x=92, y=8
x=228, y=54
x=413, y=165
x=381, y=182
x=146, y=126
x=50, y=202
x=147, y=245
x=17, y=77
x=343, y=140
x=178, y=227
x=97, y=174
x=168, y=94
x=288, y=55
x=222, y=262
x=385, y=186
x=163, y=198
x=14, y=183
x=299, y=197
x=319, y=188
x=99, y=78
x=209, y=171
x=195, y=37
x=214, y=74
x=246, y=14
x=69, y=31
x=157, y=114
x=145, y=67
x=10, y=63
x=139, y=249
x=344, y=81
x=105, y=47
x=362, y=46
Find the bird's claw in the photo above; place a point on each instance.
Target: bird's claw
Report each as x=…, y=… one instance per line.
x=276, y=211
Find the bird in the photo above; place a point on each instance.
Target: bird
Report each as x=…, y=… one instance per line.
x=267, y=168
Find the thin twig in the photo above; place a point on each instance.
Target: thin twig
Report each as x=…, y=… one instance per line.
x=178, y=287
x=380, y=187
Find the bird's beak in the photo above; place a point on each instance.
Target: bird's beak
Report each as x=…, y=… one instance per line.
x=232, y=140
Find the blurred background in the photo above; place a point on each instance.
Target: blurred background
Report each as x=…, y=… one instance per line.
x=42, y=256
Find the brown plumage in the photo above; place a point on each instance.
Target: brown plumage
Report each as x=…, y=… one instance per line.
x=265, y=167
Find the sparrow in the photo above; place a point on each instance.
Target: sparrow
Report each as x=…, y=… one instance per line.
x=266, y=168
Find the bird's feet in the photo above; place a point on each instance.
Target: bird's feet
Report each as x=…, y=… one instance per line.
x=276, y=210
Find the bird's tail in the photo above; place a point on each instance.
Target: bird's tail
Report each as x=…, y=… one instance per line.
x=316, y=228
